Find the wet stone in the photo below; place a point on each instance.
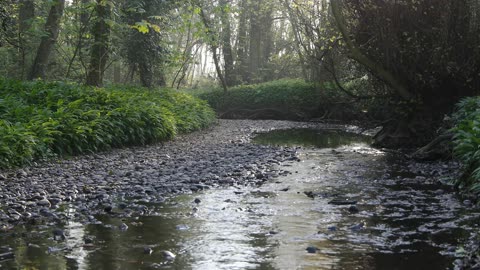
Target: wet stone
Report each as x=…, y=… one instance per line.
x=123, y=177
x=353, y=209
x=59, y=235
x=168, y=255
x=342, y=201
x=332, y=228
x=147, y=250
x=123, y=227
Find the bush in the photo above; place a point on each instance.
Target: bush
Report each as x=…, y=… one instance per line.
x=467, y=142
x=41, y=119
x=282, y=99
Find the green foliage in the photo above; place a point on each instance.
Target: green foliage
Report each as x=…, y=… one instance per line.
x=40, y=119
x=295, y=99
x=467, y=142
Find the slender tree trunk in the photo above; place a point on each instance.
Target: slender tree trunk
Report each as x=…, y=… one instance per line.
x=25, y=17
x=255, y=38
x=226, y=44
x=52, y=27
x=266, y=23
x=26, y=14
x=214, y=48
x=83, y=17
x=117, y=73
x=241, y=50
x=99, y=49
x=296, y=34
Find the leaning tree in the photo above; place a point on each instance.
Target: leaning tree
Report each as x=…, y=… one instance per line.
x=427, y=54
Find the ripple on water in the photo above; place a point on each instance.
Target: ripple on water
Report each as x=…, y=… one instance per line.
x=403, y=222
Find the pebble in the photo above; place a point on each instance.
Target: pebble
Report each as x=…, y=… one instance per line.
x=59, y=235
x=311, y=249
x=182, y=227
x=123, y=227
x=147, y=250
x=92, y=183
x=168, y=255
x=332, y=228
x=357, y=227
x=7, y=256
x=353, y=209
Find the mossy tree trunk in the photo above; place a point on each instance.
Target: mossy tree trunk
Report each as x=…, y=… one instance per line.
x=227, y=43
x=52, y=27
x=99, y=50
x=26, y=14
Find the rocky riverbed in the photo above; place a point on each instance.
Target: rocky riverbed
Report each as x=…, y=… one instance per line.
x=341, y=204
x=129, y=178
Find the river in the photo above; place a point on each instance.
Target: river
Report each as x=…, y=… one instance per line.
x=342, y=205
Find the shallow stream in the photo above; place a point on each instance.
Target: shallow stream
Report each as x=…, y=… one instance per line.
x=344, y=205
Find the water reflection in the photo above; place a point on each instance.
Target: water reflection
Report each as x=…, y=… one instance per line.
x=76, y=255
x=402, y=222
x=311, y=138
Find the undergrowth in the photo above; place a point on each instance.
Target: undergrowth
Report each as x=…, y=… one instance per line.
x=43, y=119
x=285, y=99
x=467, y=142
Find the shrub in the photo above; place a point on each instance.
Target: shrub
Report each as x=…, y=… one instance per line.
x=41, y=119
x=467, y=142
x=281, y=99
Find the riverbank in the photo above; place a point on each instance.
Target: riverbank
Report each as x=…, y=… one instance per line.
x=79, y=206
x=127, y=178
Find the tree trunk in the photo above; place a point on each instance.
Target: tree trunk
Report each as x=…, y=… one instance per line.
x=117, y=73
x=226, y=44
x=146, y=74
x=25, y=16
x=266, y=23
x=296, y=35
x=260, y=36
x=356, y=54
x=241, y=49
x=255, y=38
x=99, y=49
x=84, y=15
x=214, y=48
x=52, y=27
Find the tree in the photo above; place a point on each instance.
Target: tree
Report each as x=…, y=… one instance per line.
x=26, y=16
x=52, y=27
x=425, y=53
x=99, y=51
x=213, y=43
x=227, y=42
x=259, y=39
x=143, y=45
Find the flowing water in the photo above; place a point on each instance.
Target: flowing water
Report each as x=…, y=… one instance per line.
x=404, y=218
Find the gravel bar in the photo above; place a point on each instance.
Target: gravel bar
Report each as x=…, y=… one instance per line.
x=133, y=178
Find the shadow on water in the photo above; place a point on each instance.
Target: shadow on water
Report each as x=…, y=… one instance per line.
x=310, y=138
x=403, y=219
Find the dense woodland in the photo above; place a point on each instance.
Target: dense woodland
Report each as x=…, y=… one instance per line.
x=401, y=64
